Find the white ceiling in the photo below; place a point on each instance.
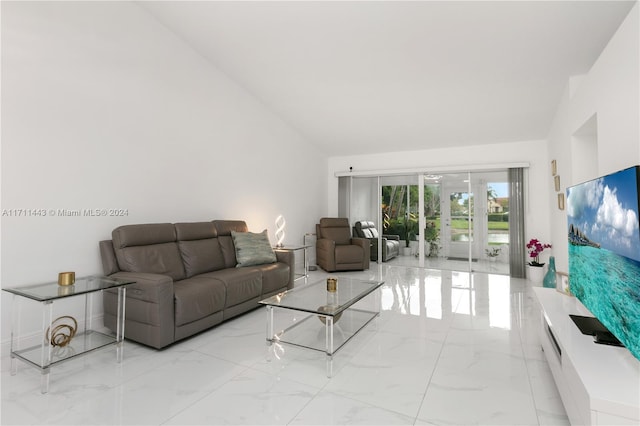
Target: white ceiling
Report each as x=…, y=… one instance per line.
x=381, y=76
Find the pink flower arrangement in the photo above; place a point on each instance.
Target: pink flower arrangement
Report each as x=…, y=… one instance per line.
x=535, y=247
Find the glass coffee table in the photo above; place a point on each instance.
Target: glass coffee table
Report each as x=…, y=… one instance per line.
x=323, y=321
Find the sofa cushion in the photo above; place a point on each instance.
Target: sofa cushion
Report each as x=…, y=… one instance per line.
x=189, y=231
x=161, y=259
x=197, y=298
x=143, y=235
x=241, y=284
x=199, y=247
x=224, y=228
x=252, y=248
x=349, y=254
x=201, y=256
x=148, y=248
x=274, y=276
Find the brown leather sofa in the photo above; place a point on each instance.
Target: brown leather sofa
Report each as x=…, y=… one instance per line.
x=390, y=243
x=336, y=250
x=186, y=278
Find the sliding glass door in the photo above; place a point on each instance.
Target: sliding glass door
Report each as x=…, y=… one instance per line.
x=433, y=207
x=399, y=205
x=455, y=221
x=459, y=216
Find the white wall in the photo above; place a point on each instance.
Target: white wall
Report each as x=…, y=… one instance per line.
x=611, y=93
x=103, y=108
x=532, y=152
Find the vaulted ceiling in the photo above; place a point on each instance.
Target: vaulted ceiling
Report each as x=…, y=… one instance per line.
x=383, y=76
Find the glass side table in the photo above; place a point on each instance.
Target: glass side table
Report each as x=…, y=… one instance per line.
x=305, y=260
x=65, y=337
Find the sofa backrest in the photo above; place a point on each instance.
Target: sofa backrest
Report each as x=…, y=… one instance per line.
x=336, y=229
x=199, y=247
x=179, y=250
x=366, y=229
x=224, y=228
x=150, y=248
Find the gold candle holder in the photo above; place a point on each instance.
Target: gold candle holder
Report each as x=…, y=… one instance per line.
x=66, y=278
x=332, y=285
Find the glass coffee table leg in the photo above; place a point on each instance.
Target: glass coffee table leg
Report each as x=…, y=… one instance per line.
x=269, y=332
x=329, y=345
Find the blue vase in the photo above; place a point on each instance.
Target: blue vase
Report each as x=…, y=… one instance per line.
x=550, y=277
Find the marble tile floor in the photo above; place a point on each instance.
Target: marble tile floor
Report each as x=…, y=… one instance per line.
x=483, y=265
x=448, y=348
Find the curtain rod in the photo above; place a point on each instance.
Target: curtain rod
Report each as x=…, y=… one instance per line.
x=431, y=170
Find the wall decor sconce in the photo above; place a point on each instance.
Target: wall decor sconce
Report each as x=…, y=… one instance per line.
x=554, y=168
x=556, y=181
x=561, y=201
x=280, y=224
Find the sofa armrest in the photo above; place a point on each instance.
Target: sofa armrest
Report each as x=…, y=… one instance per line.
x=392, y=237
x=365, y=243
x=325, y=244
x=362, y=242
x=108, y=256
x=287, y=257
x=154, y=288
x=325, y=254
x=149, y=308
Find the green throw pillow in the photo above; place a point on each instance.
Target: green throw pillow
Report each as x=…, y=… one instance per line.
x=252, y=248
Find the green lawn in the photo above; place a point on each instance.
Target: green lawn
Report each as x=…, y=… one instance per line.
x=499, y=226
x=462, y=224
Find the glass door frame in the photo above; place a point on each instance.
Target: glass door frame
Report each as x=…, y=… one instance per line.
x=411, y=177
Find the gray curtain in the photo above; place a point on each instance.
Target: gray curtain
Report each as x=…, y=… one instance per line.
x=344, y=196
x=516, y=223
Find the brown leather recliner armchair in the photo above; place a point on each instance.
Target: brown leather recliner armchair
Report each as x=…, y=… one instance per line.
x=336, y=250
x=390, y=243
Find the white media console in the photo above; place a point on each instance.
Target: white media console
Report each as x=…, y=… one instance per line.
x=599, y=384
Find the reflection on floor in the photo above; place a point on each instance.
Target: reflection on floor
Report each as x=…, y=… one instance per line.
x=448, y=348
x=493, y=267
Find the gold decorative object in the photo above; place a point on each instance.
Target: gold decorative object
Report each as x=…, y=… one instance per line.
x=66, y=278
x=332, y=285
x=328, y=309
x=554, y=168
x=62, y=332
x=556, y=182
x=561, y=201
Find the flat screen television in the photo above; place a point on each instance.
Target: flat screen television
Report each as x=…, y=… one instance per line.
x=604, y=253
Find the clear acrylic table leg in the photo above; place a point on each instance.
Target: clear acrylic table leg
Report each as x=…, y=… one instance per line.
x=44, y=380
x=269, y=332
x=122, y=297
x=329, y=344
x=46, y=347
x=15, y=332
